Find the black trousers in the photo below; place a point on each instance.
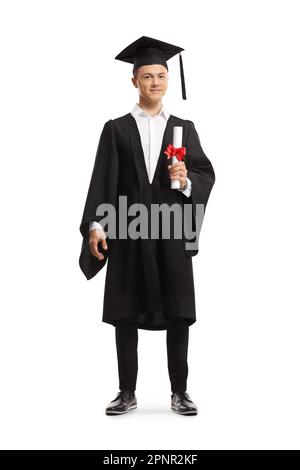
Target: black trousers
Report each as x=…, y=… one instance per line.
x=177, y=336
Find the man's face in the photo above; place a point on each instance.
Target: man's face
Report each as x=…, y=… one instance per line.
x=152, y=81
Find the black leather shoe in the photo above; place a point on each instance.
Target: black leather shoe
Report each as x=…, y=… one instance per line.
x=124, y=402
x=181, y=403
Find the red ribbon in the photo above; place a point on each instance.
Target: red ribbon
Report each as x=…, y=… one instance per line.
x=178, y=152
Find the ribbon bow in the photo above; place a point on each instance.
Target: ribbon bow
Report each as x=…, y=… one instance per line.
x=172, y=151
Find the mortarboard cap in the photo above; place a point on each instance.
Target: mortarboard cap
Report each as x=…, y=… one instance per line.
x=147, y=51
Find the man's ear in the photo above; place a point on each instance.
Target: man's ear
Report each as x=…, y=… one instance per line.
x=134, y=82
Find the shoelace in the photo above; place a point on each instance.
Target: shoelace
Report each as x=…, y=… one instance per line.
x=183, y=395
x=125, y=394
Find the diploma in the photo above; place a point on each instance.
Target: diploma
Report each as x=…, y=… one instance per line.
x=177, y=142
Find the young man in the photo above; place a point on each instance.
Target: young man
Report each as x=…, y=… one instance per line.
x=149, y=279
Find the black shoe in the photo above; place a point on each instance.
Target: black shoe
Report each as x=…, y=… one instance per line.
x=124, y=402
x=181, y=403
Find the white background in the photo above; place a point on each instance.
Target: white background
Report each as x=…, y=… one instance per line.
x=59, y=85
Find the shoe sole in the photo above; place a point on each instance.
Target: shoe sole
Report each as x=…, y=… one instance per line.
x=130, y=408
x=190, y=413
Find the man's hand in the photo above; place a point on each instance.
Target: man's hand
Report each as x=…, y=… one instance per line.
x=178, y=171
x=96, y=236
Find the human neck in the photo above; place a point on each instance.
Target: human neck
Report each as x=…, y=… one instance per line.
x=150, y=108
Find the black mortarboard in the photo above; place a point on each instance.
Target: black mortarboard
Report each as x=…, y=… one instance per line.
x=147, y=51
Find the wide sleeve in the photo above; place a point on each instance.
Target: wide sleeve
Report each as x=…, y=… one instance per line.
x=202, y=176
x=102, y=189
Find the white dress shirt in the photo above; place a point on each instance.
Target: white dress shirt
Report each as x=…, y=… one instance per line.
x=151, y=130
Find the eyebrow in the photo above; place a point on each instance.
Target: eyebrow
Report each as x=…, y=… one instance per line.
x=160, y=73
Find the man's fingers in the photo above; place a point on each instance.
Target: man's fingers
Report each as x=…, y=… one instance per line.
x=94, y=248
x=177, y=165
x=104, y=244
x=95, y=252
x=179, y=173
x=177, y=168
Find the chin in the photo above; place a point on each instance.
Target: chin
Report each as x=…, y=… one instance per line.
x=155, y=96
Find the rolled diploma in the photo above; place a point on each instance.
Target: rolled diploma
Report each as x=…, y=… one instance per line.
x=177, y=142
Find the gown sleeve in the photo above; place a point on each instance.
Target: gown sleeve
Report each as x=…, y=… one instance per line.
x=102, y=189
x=202, y=176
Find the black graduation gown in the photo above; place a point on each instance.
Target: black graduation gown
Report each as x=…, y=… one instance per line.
x=147, y=280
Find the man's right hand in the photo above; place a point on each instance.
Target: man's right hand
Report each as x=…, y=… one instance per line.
x=97, y=235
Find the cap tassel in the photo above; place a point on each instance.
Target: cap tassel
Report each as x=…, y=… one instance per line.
x=182, y=77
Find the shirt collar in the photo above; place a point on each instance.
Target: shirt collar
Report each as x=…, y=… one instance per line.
x=139, y=112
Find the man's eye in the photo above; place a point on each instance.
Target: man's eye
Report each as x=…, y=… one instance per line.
x=161, y=76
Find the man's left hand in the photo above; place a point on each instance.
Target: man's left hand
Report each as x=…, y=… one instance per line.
x=178, y=171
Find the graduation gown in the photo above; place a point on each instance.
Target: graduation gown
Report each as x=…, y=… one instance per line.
x=147, y=280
